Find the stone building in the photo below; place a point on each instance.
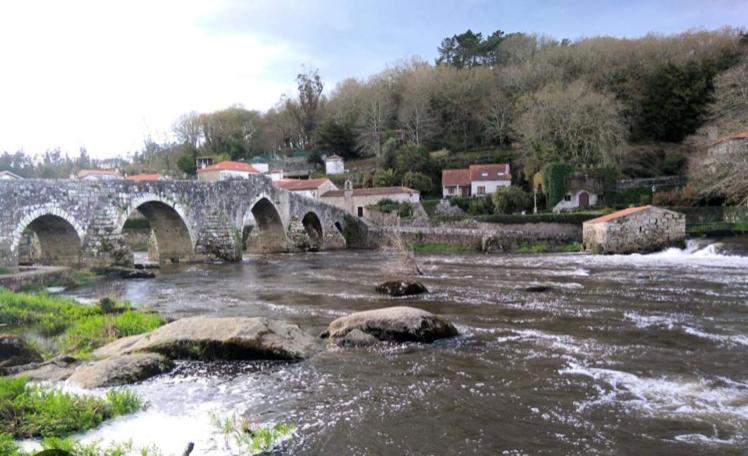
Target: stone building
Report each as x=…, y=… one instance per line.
x=636, y=229
x=355, y=200
x=734, y=145
x=311, y=188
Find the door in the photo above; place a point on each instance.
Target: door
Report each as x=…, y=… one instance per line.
x=584, y=199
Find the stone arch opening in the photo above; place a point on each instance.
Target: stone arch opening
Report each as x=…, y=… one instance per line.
x=313, y=228
x=339, y=227
x=49, y=240
x=168, y=239
x=268, y=235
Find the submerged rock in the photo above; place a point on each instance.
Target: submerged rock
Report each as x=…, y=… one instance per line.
x=121, y=370
x=391, y=324
x=15, y=351
x=401, y=288
x=539, y=289
x=207, y=338
x=119, y=272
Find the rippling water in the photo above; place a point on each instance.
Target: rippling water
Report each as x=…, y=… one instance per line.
x=625, y=355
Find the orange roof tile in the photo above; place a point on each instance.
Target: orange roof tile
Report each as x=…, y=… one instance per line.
x=459, y=177
x=739, y=135
x=230, y=166
x=492, y=172
x=618, y=214
x=145, y=177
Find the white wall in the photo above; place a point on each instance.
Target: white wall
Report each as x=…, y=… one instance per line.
x=334, y=167
x=491, y=186
x=564, y=205
x=261, y=167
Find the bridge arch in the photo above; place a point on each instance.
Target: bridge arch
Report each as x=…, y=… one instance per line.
x=59, y=235
x=268, y=234
x=313, y=228
x=174, y=238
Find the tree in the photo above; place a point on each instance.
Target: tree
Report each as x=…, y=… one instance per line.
x=418, y=181
x=377, y=110
x=337, y=138
x=508, y=200
x=413, y=158
x=415, y=114
x=573, y=124
x=385, y=178
x=498, y=117
x=310, y=95
x=677, y=100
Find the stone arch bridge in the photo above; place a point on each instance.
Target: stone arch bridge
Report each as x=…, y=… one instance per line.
x=80, y=223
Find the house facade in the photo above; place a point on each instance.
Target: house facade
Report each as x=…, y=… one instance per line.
x=311, y=188
x=99, y=174
x=225, y=170
x=334, y=164
x=355, y=200
x=583, y=191
x=476, y=180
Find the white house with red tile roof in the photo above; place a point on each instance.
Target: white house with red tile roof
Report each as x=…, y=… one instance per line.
x=226, y=170
x=477, y=180
x=145, y=177
x=311, y=188
x=99, y=174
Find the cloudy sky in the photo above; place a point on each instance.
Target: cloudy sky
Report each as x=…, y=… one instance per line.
x=105, y=74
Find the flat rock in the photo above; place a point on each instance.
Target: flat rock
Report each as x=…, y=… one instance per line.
x=401, y=288
x=208, y=338
x=15, y=351
x=47, y=372
x=392, y=324
x=121, y=370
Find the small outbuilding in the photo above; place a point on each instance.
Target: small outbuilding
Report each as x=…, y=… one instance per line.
x=634, y=230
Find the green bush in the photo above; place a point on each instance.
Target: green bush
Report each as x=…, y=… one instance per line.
x=480, y=206
x=555, y=177
x=418, y=181
x=509, y=200
x=385, y=178
x=28, y=411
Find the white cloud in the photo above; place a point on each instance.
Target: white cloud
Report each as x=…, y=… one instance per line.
x=104, y=74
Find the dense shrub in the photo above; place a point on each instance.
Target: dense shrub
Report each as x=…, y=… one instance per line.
x=511, y=199
x=418, y=181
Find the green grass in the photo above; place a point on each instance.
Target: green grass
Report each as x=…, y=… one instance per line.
x=75, y=279
x=74, y=447
x=435, y=247
x=28, y=411
x=74, y=327
x=548, y=248
x=717, y=228
x=4, y=270
x=249, y=439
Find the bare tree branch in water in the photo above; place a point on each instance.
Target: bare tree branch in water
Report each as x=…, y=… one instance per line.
x=402, y=262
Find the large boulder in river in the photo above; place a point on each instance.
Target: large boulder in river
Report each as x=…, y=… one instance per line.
x=401, y=288
x=121, y=370
x=15, y=351
x=391, y=324
x=208, y=338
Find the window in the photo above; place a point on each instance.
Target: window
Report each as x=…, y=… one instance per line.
x=481, y=190
x=484, y=174
x=567, y=197
x=360, y=211
x=450, y=190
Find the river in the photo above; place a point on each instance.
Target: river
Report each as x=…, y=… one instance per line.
x=639, y=354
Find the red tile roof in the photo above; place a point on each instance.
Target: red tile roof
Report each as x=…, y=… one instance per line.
x=499, y=171
x=145, y=177
x=618, y=214
x=370, y=191
x=301, y=184
x=230, y=166
x=739, y=135
x=458, y=177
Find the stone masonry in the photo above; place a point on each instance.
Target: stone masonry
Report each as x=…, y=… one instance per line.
x=80, y=222
x=638, y=229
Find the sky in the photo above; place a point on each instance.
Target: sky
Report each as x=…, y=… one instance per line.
x=105, y=74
